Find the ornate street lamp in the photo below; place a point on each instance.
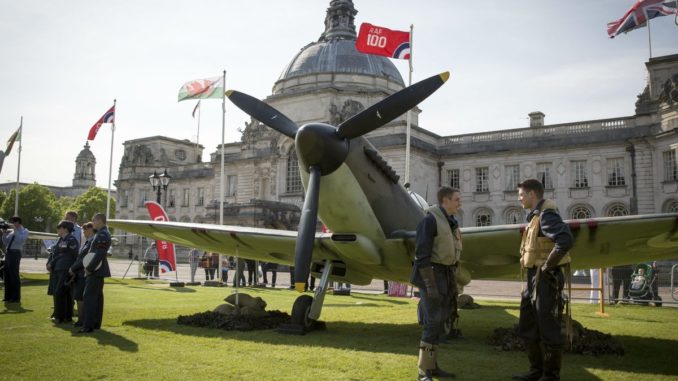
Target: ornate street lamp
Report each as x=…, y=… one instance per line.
x=159, y=183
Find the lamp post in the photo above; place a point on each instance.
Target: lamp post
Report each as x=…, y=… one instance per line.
x=159, y=183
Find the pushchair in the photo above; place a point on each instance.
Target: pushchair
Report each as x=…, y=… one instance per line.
x=645, y=285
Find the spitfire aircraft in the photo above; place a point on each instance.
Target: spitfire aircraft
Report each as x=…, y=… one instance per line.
x=373, y=218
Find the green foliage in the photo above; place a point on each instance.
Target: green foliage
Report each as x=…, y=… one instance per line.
x=37, y=207
x=368, y=337
x=64, y=204
x=91, y=202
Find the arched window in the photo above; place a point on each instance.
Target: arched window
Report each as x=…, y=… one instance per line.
x=671, y=206
x=483, y=217
x=514, y=216
x=293, y=183
x=580, y=212
x=616, y=210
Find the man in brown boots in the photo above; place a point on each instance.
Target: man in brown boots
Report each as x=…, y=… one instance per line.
x=437, y=253
x=543, y=253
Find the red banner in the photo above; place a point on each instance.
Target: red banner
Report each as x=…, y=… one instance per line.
x=374, y=39
x=165, y=249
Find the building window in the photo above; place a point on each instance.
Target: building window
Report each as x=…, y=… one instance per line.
x=483, y=217
x=124, y=198
x=187, y=198
x=670, y=168
x=580, y=212
x=671, y=206
x=482, y=179
x=514, y=216
x=544, y=175
x=615, y=172
x=512, y=173
x=201, y=197
x=293, y=184
x=143, y=197
x=616, y=210
x=171, y=198
x=231, y=185
x=579, y=174
x=453, y=178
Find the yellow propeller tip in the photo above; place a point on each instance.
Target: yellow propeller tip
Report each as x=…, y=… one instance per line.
x=228, y=93
x=445, y=76
x=299, y=286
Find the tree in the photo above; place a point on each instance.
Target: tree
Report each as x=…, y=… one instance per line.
x=91, y=202
x=37, y=207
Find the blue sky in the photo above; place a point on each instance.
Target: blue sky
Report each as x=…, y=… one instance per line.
x=63, y=63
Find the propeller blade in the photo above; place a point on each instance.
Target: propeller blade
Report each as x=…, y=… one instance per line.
x=306, y=236
x=391, y=107
x=263, y=113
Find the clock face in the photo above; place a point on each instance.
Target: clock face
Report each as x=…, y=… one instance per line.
x=180, y=154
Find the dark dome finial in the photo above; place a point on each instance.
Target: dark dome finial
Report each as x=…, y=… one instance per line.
x=339, y=21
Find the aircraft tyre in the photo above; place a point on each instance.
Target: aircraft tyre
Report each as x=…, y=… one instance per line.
x=300, y=311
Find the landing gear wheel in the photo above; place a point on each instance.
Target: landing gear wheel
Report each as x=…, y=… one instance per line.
x=300, y=311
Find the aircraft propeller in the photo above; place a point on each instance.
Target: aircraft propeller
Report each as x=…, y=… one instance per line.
x=322, y=148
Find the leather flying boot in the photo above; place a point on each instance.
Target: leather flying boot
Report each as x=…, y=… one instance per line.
x=437, y=372
x=552, y=359
x=427, y=361
x=536, y=359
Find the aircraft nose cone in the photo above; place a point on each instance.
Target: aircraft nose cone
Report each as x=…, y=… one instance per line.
x=318, y=144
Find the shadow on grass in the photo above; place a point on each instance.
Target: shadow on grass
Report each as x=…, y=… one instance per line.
x=104, y=337
x=14, y=308
x=170, y=289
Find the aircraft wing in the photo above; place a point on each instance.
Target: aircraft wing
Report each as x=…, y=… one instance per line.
x=267, y=245
x=493, y=252
x=42, y=235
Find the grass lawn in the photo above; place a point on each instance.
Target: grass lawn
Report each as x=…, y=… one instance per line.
x=369, y=337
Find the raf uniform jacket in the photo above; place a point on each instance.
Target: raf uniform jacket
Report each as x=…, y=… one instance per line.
x=78, y=267
x=100, y=245
x=65, y=252
x=426, y=233
x=552, y=227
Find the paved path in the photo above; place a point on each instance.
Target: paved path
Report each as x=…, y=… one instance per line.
x=480, y=289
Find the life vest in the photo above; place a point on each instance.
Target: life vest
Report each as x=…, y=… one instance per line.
x=535, y=249
x=447, y=245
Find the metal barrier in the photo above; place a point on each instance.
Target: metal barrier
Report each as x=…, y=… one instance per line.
x=674, y=287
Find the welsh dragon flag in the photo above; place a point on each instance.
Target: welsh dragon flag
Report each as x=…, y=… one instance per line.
x=202, y=89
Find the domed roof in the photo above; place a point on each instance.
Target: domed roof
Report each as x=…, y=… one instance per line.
x=85, y=154
x=335, y=51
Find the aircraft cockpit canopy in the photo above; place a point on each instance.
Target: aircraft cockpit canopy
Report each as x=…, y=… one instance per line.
x=420, y=201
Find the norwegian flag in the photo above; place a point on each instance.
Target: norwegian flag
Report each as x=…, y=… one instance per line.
x=108, y=117
x=639, y=14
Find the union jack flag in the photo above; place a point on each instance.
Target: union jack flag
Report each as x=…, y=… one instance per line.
x=639, y=14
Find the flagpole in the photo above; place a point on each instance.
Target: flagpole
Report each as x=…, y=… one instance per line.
x=110, y=165
x=649, y=37
x=18, y=168
x=223, y=133
x=197, y=138
x=409, y=116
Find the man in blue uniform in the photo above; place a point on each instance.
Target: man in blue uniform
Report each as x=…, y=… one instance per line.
x=438, y=249
x=95, y=272
x=14, y=240
x=77, y=271
x=543, y=253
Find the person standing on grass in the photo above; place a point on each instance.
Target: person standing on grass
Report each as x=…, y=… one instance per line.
x=543, y=252
x=14, y=240
x=66, y=252
x=95, y=272
x=78, y=272
x=437, y=252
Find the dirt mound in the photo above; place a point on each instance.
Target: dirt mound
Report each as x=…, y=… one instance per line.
x=211, y=319
x=584, y=341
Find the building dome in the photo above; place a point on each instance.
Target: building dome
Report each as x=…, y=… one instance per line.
x=85, y=154
x=335, y=53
